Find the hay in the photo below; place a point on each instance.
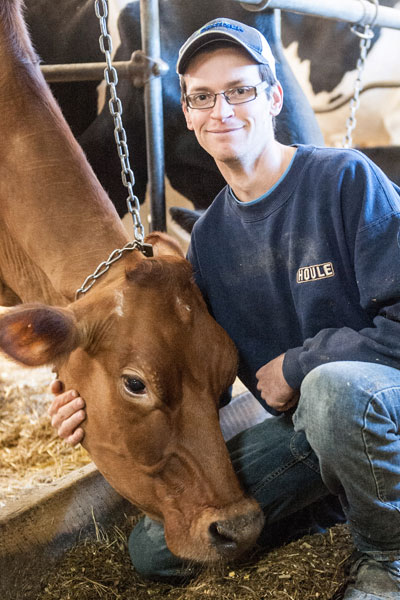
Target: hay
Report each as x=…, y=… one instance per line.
x=312, y=568
x=31, y=454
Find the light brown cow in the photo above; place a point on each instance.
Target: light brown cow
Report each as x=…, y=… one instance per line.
x=140, y=346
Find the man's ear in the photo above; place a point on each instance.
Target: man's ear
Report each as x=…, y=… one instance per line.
x=276, y=99
x=187, y=116
x=163, y=244
x=36, y=334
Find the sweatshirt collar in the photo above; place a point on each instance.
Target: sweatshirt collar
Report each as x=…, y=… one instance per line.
x=278, y=194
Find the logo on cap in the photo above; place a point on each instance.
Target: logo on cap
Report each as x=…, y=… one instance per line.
x=221, y=24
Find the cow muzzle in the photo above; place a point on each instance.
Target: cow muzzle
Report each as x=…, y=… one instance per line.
x=217, y=534
x=232, y=537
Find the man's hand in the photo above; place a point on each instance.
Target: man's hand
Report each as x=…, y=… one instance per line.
x=67, y=413
x=273, y=386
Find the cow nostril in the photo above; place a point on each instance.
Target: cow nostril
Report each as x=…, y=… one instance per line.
x=222, y=538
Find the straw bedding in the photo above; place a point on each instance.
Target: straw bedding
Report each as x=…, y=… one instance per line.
x=31, y=454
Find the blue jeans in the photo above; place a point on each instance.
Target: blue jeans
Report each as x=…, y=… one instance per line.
x=350, y=413
x=347, y=424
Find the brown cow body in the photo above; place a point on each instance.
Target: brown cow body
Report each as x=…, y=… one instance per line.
x=140, y=346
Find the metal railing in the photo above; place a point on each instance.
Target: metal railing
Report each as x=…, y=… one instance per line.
x=349, y=11
x=138, y=69
x=153, y=104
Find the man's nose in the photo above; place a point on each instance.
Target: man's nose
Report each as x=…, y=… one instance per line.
x=222, y=108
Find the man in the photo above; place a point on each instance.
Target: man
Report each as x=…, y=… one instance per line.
x=298, y=259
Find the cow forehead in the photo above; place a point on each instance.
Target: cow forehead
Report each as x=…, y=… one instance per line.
x=162, y=285
x=171, y=271
x=146, y=286
x=180, y=305
x=155, y=318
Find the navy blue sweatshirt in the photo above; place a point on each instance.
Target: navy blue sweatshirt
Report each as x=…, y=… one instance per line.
x=311, y=269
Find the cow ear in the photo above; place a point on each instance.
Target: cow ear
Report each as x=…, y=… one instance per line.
x=36, y=334
x=163, y=244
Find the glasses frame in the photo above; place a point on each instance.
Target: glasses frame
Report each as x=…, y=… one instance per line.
x=257, y=89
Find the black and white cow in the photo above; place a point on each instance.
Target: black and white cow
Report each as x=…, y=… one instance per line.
x=323, y=54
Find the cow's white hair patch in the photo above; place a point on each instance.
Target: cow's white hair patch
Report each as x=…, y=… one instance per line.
x=119, y=303
x=182, y=304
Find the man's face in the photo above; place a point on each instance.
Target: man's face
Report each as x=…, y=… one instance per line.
x=230, y=133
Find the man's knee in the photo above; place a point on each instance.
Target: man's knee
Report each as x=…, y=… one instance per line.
x=143, y=550
x=346, y=385
x=332, y=398
x=150, y=555
x=328, y=390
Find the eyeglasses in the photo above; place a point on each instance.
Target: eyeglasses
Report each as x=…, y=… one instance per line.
x=237, y=95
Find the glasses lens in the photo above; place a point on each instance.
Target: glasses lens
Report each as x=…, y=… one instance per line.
x=240, y=94
x=200, y=100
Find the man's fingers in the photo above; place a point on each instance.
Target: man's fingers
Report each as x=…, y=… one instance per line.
x=67, y=428
x=76, y=437
x=61, y=401
x=66, y=411
x=288, y=405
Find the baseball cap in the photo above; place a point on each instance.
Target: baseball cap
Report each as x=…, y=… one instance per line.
x=223, y=29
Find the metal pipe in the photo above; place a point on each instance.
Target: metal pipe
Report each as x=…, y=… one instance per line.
x=138, y=68
x=87, y=71
x=350, y=11
x=150, y=31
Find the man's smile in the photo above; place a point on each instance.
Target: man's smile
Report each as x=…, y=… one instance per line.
x=227, y=130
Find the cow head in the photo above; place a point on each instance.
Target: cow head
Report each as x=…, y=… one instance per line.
x=151, y=364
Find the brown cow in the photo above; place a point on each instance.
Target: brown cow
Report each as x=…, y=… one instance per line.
x=140, y=346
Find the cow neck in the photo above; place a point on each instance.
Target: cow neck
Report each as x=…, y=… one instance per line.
x=54, y=212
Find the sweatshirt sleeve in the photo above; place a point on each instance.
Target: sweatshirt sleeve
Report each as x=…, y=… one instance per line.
x=376, y=244
x=192, y=258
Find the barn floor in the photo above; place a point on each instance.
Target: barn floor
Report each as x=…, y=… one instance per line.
x=308, y=569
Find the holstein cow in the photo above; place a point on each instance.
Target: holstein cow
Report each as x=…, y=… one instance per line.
x=140, y=346
x=191, y=171
x=324, y=53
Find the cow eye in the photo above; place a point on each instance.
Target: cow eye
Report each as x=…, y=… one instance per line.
x=134, y=386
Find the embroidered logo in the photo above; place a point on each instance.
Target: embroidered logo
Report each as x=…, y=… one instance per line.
x=222, y=24
x=315, y=272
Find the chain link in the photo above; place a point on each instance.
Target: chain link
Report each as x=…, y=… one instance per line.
x=365, y=33
x=115, y=107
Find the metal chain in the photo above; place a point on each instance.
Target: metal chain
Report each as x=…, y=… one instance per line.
x=128, y=178
x=115, y=106
x=365, y=33
x=104, y=266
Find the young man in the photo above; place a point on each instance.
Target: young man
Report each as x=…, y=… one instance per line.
x=298, y=259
